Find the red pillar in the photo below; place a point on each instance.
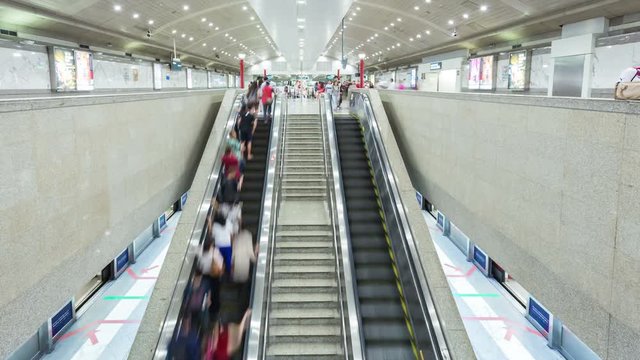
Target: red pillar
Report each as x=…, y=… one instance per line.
x=338, y=74
x=361, y=73
x=242, y=73
x=264, y=72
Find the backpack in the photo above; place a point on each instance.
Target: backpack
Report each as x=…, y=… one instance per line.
x=228, y=192
x=627, y=91
x=196, y=299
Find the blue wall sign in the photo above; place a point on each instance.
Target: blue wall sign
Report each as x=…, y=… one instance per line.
x=540, y=316
x=63, y=317
x=162, y=222
x=122, y=261
x=481, y=259
x=183, y=200
x=440, y=221
x=419, y=198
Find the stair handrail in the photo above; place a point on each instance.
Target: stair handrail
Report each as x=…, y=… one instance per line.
x=344, y=255
x=257, y=333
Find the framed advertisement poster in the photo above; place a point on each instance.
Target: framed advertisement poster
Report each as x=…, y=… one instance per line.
x=63, y=69
x=518, y=70
x=84, y=70
x=481, y=73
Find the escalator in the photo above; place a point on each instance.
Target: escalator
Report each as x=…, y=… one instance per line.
x=385, y=321
x=234, y=298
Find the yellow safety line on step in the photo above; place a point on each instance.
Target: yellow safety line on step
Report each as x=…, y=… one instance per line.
x=403, y=303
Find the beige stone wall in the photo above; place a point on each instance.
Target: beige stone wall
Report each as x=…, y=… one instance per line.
x=80, y=178
x=550, y=188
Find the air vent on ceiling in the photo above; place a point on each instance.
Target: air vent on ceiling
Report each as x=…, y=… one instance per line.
x=8, y=32
x=128, y=54
x=84, y=46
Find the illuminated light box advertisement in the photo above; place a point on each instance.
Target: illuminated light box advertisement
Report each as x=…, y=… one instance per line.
x=517, y=70
x=481, y=73
x=84, y=70
x=65, y=69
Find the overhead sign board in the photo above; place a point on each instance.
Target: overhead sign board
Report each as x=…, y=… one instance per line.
x=435, y=65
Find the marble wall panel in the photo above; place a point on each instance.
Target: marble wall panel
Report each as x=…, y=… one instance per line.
x=24, y=70
x=174, y=79
x=199, y=78
x=110, y=74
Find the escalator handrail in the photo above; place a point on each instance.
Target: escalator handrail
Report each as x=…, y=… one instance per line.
x=339, y=216
x=426, y=299
x=173, y=316
x=256, y=338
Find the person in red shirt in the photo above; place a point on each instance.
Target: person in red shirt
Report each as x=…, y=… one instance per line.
x=267, y=100
x=229, y=160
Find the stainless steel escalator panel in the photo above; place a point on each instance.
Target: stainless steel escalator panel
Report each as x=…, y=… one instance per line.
x=429, y=336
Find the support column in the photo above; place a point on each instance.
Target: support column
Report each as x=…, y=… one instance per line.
x=361, y=85
x=242, y=70
x=338, y=74
x=264, y=72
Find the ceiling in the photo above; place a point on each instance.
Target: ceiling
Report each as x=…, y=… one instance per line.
x=207, y=32
x=403, y=31
x=301, y=28
x=389, y=33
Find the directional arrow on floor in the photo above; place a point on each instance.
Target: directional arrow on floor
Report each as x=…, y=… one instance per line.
x=467, y=274
x=91, y=330
x=138, y=277
x=144, y=271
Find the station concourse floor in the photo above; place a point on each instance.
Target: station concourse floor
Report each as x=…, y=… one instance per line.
x=495, y=324
x=108, y=327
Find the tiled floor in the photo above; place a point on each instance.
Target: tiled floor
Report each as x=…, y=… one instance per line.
x=496, y=326
x=108, y=327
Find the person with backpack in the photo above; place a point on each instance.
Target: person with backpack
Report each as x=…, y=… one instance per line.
x=199, y=299
x=247, y=127
x=222, y=231
x=244, y=255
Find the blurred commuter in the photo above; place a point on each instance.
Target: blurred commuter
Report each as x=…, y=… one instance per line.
x=336, y=94
x=222, y=231
x=198, y=299
x=236, y=148
x=267, y=100
x=243, y=256
x=248, y=127
x=229, y=160
x=251, y=94
x=186, y=345
x=226, y=339
x=229, y=187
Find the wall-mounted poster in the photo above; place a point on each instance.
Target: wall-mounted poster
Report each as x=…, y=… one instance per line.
x=64, y=69
x=517, y=70
x=157, y=76
x=481, y=73
x=84, y=70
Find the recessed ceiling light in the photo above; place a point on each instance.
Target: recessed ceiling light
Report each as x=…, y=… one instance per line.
x=226, y=35
x=150, y=22
x=419, y=36
x=217, y=28
x=386, y=28
x=428, y=1
x=399, y=19
x=183, y=35
x=410, y=39
x=466, y=16
x=388, y=49
x=350, y=19
x=392, y=24
x=252, y=18
x=428, y=32
x=191, y=38
x=484, y=8
x=393, y=46
x=210, y=24
x=354, y=13
x=450, y=22
x=174, y=31
x=416, y=8
x=214, y=49
x=244, y=7
x=203, y=19
x=398, y=44
x=358, y=8
x=136, y=15
x=185, y=7
x=117, y=7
